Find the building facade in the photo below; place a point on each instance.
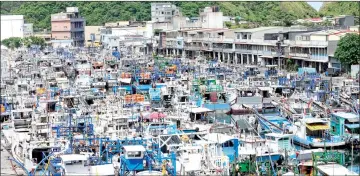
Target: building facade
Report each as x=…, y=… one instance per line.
x=12, y=26
x=163, y=12
x=68, y=26
x=92, y=35
x=28, y=29
x=260, y=46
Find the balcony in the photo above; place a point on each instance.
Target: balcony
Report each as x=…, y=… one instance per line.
x=312, y=57
x=60, y=30
x=256, y=41
x=77, y=38
x=238, y=50
x=317, y=57
x=81, y=19
x=268, y=53
x=228, y=50
x=192, y=48
x=207, y=48
x=77, y=29
x=68, y=19
x=220, y=40
x=307, y=43
x=300, y=55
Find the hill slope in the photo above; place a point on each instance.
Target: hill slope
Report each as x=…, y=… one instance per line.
x=340, y=8
x=97, y=13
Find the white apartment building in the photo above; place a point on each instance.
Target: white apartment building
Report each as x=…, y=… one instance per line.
x=163, y=12
x=12, y=26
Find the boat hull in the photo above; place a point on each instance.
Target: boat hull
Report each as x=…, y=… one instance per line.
x=310, y=145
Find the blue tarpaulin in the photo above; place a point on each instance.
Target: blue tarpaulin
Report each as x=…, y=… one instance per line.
x=307, y=70
x=116, y=54
x=352, y=126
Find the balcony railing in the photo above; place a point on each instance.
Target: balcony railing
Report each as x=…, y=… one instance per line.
x=192, y=47
x=256, y=41
x=322, y=57
x=76, y=29
x=60, y=30
x=242, y=50
x=306, y=43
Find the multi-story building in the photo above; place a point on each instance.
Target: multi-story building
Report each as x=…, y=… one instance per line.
x=28, y=29
x=163, y=12
x=68, y=28
x=211, y=17
x=344, y=21
x=264, y=45
x=12, y=26
x=92, y=35
x=135, y=37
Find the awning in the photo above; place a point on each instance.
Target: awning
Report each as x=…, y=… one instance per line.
x=218, y=106
x=199, y=110
x=352, y=126
x=264, y=56
x=125, y=80
x=317, y=127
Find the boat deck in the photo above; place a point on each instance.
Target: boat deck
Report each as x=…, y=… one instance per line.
x=6, y=167
x=335, y=169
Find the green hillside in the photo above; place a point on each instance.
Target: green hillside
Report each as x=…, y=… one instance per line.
x=97, y=13
x=340, y=8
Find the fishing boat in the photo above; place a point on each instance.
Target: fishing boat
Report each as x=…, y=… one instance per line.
x=346, y=125
x=314, y=133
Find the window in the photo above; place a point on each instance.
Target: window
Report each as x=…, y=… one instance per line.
x=238, y=36
x=162, y=13
x=134, y=154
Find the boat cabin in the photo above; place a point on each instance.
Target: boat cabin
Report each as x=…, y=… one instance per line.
x=134, y=157
x=198, y=113
x=271, y=70
x=189, y=158
x=251, y=70
x=279, y=142
x=22, y=118
x=345, y=124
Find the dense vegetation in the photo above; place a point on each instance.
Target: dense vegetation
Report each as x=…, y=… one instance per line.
x=97, y=13
x=16, y=42
x=340, y=8
x=348, y=50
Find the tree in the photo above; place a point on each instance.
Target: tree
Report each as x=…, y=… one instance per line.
x=33, y=40
x=12, y=42
x=287, y=23
x=237, y=20
x=228, y=24
x=326, y=23
x=16, y=42
x=348, y=50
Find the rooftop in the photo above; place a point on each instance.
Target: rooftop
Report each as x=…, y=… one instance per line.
x=313, y=120
x=346, y=115
x=134, y=148
x=73, y=157
x=257, y=29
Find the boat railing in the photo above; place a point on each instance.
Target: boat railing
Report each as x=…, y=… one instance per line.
x=221, y=164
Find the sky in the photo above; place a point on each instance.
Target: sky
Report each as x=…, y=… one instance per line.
x=315, y=5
